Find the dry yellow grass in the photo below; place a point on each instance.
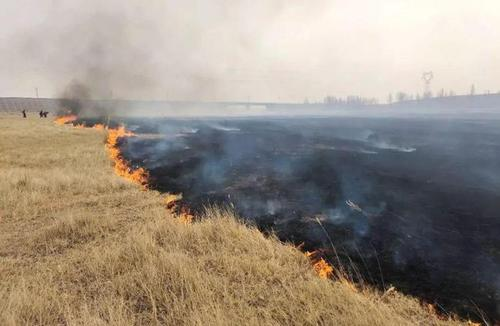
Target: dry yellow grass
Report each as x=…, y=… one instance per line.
x=79, y=245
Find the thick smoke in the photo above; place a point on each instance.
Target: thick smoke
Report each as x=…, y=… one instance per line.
x=102, y=55
x=160, y=51
x=259, y=50
x=75, y=100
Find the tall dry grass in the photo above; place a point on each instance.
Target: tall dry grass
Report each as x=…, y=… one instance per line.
x=81, y=246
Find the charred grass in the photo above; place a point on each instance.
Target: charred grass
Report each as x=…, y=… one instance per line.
x=79, y=245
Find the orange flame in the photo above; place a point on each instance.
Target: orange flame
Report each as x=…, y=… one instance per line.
x=471, y=323
x=123, y=169
x=170, y=200
x=183, y=213
x=185, y=216
x=65, y=119
x=320, y=266
x=122, y=166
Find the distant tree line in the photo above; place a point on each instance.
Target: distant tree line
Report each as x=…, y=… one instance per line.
x=350, y=100
x=354, y=100
x=402, y=96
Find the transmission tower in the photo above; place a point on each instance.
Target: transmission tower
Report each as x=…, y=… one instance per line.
x=427, y=77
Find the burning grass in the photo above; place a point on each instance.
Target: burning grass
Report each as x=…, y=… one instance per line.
x=321, y=267
x=121, y=165
x=65, y=119
x=80, y=245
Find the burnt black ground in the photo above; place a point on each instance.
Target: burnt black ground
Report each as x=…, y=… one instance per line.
x=428, y=192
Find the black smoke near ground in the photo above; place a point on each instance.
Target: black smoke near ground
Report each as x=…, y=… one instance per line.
x=413, y=203
x=155, y=50
x=101, y=56
x=77, y=99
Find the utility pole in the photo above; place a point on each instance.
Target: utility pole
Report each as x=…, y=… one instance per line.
x=36, y=92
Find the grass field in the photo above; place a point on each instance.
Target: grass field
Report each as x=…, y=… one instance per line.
x=80, y=245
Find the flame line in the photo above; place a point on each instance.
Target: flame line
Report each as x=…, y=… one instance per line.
x=121, y=166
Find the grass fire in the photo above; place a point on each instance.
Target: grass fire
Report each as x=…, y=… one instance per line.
x=135, y=158
x=172, y=201
x=342, y=188
x=87, y=242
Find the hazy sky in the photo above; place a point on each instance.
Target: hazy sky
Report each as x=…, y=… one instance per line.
x=248, y=50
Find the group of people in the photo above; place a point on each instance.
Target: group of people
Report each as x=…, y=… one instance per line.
x=42, y=114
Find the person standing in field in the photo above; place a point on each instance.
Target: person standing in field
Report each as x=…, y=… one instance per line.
x=41, y=113
x=24, y=113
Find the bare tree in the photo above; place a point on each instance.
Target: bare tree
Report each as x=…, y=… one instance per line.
x=332, y=100
x=401, y=96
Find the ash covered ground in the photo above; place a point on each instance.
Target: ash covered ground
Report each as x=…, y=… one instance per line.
x=410, y=202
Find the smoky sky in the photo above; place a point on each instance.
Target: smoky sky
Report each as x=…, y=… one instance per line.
x=247, y=50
